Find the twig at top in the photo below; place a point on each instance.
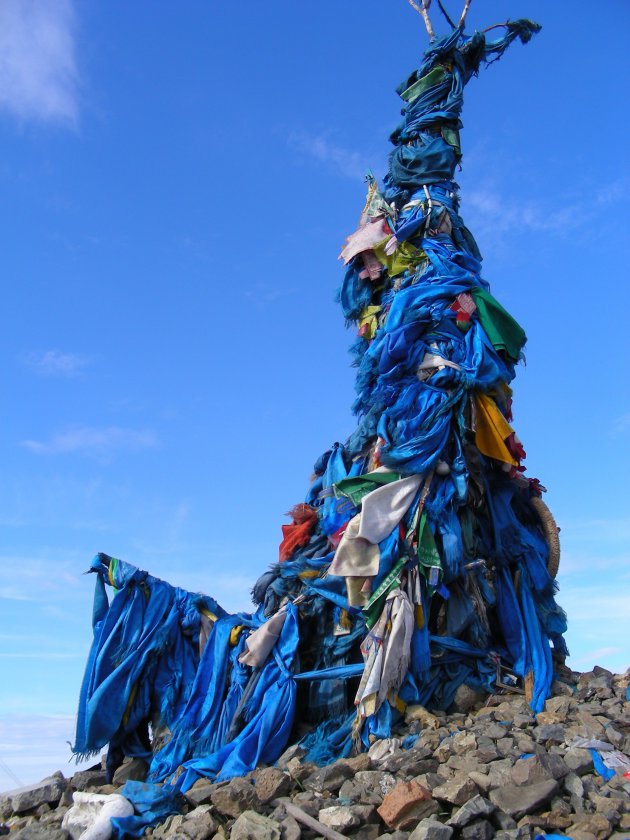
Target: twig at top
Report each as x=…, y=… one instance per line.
x=446, y=14
x=464, y=13
x=424, y=11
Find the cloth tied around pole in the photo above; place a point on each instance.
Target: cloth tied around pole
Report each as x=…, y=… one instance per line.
x=357, y=556
x=261, y=641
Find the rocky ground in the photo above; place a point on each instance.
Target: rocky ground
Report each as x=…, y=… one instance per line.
x=481, y=772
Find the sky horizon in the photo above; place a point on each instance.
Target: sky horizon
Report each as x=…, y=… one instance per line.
x=177, y=183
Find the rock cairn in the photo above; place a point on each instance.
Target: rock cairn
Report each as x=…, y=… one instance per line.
x=482, y=771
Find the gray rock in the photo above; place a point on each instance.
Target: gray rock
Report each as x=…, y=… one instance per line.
x=38, y=832
x=538, y=768
x=478, y=830
x=132, y=769
x=482, y=780
x=329, y=778
x=351, y=791
x=594, y=824
x=456, y=791
x=578, y=760
x=384, y=782
x=199, y=826
x=549, y=732
x=170, y=825
x=518, y=801
x=339, y=818
x=253, y=826
x=474, y=808
x=367, y=832
x=502, y=821
x=467, y=698
x=574, y=785
x=235, y=798
x=271, y=783
x=290, y=829
x=85, y=779
x=49, y=790
x=295, y=751
x=201, y=792
x=499, y=773
x=431, y=829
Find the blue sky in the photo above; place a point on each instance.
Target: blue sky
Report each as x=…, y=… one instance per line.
x=176, y=181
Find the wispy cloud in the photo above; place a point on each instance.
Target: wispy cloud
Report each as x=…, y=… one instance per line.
x=56, y=363
x=490, y=210
x=621, y=425
x=38, y=69
x=94, y=440
x=348, y=162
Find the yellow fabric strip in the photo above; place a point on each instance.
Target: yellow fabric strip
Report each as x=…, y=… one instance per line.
x=492, y=430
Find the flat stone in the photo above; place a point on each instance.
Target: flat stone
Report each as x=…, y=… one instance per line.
x=85, y=779
x=384, y=782
x=518, y=801
x=235, y=798
x=358, y=763
x=475, y=807
x=561, y=705
x=170, y=825
x=431, y=830
x=482, y=780
x=270, y=783
x=548, y=717
x=200, y=827
x=464, y=742
x=538, y=768
x=595, y=824
x=339, y=817
x=578, y=760
x=456, y=791
x=549, y=732
x=253, y=826
x=406, y=804
x=499, y=773
x=574, y=785
x=295, y=751
x=353, y=791
x=201, y=793
x=503, y=821
x=38, y=832
x=290, y=829
x=49, y=790
x=329, y=778
x=367, y=832
x=478, y=830
x=132, y=769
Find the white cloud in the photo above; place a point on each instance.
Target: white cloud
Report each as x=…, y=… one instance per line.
x=56, y=363
x=38, y=71
x=621, y=424
x=93, y=440
x=491, y=213
x=348, y=162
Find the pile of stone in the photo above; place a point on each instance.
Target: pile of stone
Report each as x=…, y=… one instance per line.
x=494, y=770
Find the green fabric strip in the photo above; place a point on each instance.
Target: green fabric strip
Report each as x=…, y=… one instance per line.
x=374, y=606
x=357, y=487
x=502, y=330
x=432, y=79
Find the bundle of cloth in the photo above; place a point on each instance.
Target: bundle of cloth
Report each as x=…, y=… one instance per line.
x=421, y=559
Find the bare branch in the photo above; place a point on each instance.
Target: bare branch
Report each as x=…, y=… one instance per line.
x=446, y=14
x=424, y=11
x=465, y=12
